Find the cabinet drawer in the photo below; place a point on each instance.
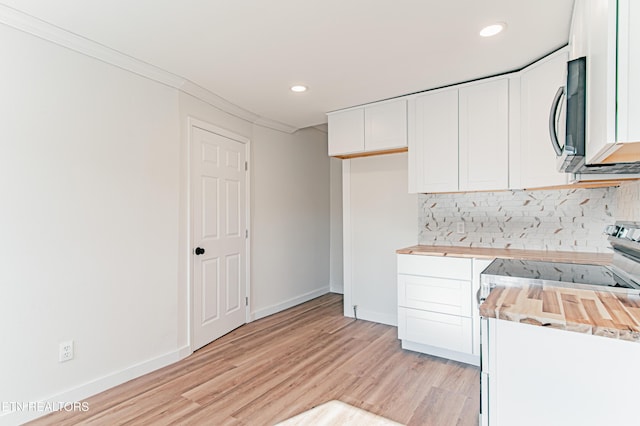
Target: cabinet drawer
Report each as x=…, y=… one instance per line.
x=440, y=330
x=456, y=268
x=441, y=295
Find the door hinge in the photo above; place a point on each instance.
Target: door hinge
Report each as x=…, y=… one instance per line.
x=246, y=233
x=246, y=301
x=246, y=166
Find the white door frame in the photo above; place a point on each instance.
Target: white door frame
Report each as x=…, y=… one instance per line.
x=196, y=123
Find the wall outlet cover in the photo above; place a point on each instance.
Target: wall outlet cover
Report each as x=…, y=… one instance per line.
x=66, y=351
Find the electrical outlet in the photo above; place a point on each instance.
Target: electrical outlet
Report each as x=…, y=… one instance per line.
x=66, y=351
x=460, y=227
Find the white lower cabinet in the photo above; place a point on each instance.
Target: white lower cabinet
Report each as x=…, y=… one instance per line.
x=442, y=331
x=435, y=294
x=437, y=308
x=533, y=375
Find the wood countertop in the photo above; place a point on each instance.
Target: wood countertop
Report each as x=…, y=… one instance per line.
x=493, y=253
x=600, y=313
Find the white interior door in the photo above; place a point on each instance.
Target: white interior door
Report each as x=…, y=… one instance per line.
x=218, y=185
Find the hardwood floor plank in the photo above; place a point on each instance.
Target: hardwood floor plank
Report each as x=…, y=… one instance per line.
x=280, y=366
x=270, y=411
x=440, y=407
x=316, y=368
x=168, y=414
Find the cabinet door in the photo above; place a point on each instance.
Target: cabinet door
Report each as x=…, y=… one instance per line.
x=578, y=34
x=600, y=134
x=346, y=132
x=484, y=136
x=544, y=376
x=535, y=163
x=434, y=148
x=385, y=126
x=628, y=71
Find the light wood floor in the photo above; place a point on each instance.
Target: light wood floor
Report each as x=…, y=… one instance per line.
x=277, y=367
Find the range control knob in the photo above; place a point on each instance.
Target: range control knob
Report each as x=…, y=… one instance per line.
x=634, y=234
x=623, y=232
x=611, y=230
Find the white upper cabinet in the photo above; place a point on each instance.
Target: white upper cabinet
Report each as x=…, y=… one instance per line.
x=374, y=128
x=459, y=138
x=608, y=34
x=346, y=132
x=433, y=142
x=532, y=161
x=628, y=125
x=484, y=136
x=385, y=125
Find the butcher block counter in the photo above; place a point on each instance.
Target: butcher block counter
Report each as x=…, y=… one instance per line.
x=493, y=253
x=600, y=313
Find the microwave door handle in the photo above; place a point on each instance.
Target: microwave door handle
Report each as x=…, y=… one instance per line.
x=553, y=132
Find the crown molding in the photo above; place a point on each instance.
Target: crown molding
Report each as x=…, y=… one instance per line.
x=191, y=88
x=324, y=128
x=275, y=125
x=54, y=34
x=212, y=99
x=49, y=32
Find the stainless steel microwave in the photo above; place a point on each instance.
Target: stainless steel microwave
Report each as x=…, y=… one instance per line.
x=571, y=156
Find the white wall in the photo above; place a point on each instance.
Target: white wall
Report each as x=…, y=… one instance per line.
x=291, y=218
x=88, y=225
x=336, y=269
x=94, y=221
x=382, y=218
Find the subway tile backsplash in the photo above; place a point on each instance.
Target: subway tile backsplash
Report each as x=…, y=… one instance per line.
x=567, y=220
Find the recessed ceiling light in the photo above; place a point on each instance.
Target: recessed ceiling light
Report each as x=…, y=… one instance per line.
x=492, y=30
x=298, y=88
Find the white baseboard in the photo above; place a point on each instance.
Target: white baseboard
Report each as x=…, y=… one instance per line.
x=442, y=353
x=274, y=309
x=337, y=288
x=184, y=352
x=374, y=316
x=78, y=394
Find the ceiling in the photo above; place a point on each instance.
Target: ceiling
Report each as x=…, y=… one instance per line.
x=348, y=52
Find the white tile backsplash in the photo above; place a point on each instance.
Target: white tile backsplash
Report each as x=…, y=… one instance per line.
x=567, y=219
x=628, y=202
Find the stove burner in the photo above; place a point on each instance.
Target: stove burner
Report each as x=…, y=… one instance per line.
x=622, y=275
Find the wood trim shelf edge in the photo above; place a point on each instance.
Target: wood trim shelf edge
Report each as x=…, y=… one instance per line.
x=371, y=153
x=578, y=185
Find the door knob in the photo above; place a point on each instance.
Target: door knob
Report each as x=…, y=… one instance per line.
x=199, y=251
